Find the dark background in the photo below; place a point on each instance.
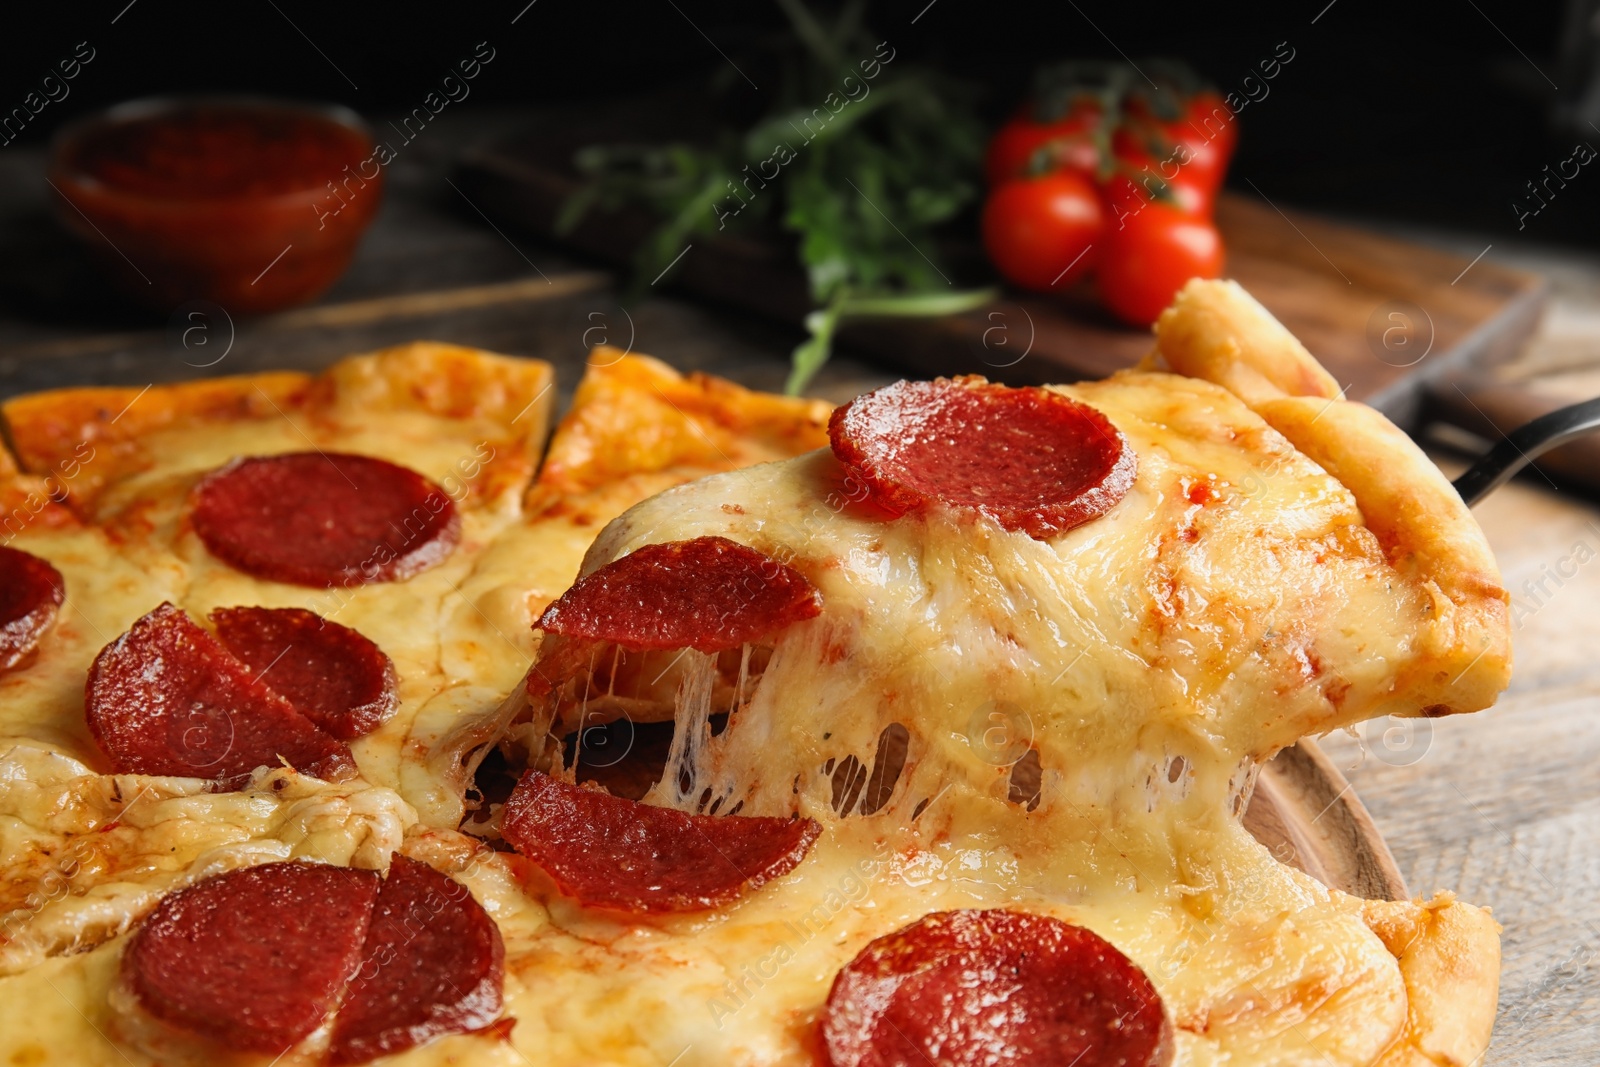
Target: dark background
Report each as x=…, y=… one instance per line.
x=1419, y=111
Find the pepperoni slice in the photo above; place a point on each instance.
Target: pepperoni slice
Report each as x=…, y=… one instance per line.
x=167, y=698
x=31, y=592
x=1030, y=459
x=253, y=959
x=324, y=519
x=709, y=594
x=332, y=674
x=432, y=965
x=621, y=855
x=961, y=988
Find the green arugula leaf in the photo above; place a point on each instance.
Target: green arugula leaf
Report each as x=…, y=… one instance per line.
x=867, y=170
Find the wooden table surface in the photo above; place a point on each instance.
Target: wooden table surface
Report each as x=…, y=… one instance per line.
x=1502, y=807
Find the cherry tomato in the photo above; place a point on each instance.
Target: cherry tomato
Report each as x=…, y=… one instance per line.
x=1067, y=142
x=1140, y=179
x=1077, y=150
x=1210, y=117
x=1194, y=147
x=1044, y=233
x=1198, y=160
x=1124, y=196
x=1011, y=149
x=1149, y=259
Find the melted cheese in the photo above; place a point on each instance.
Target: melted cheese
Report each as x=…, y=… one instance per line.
x=1230, y=603
x=87, y=854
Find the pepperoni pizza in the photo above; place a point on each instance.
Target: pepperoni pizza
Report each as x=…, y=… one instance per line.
x=338, y=725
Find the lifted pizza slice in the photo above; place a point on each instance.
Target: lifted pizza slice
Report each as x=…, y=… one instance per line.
x=1050, y=637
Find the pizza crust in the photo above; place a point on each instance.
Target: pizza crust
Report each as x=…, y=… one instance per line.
x=1218, y=332
x=120, y=425
x=635, y=418
x=1448, y=952
x=48, y=429
x=1449, y=955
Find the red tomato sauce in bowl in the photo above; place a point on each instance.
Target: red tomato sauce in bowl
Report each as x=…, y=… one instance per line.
x=253, y=205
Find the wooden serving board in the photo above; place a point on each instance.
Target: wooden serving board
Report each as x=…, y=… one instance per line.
x=1309, y=817
x=1386, y=317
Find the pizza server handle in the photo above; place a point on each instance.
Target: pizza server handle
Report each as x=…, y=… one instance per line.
x=1538, y=428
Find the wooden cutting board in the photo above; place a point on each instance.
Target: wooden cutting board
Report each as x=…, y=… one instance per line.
x=1386, y=317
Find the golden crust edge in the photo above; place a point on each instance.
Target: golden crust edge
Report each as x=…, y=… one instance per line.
x=1449, y=958
x=447, y=380
x=1216, y=331
x=651, y=419
x=27, y=498
x=47, y=430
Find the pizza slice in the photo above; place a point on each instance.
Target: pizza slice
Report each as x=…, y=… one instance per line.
x=1009, y=660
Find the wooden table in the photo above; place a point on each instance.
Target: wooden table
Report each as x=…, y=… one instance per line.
x=1502, y=807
